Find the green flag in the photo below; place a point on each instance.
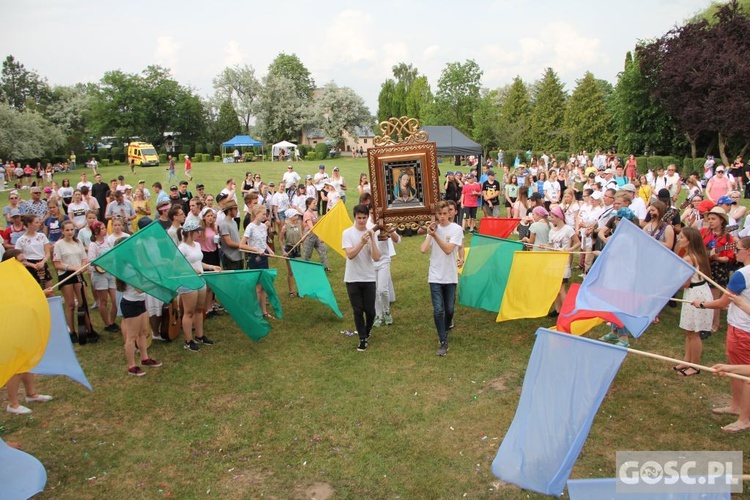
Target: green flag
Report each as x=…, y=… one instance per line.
x=267, y=277
x=236, y=292
x=485, y=274
x=150, y=261
x=312, y=282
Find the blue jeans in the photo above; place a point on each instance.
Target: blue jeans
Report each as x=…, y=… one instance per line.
x=443, y=302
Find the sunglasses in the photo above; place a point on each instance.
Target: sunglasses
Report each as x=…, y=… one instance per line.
x=14, y=197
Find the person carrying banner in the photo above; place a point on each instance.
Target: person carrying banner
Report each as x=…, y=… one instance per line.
x=443, y=241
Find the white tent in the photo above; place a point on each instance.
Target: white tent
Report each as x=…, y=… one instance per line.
x=286, y=146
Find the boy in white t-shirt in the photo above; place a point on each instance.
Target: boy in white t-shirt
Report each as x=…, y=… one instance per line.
x=361, y=250
x=443, y=242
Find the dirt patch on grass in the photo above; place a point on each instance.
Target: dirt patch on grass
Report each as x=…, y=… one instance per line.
x=318, y=491
x=496, y=384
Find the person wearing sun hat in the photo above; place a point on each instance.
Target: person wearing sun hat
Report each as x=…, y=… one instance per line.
x=289, y=237
x=720, y=252
x=193, y=301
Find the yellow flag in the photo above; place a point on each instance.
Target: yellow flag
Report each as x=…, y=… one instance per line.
x=331, y=226
x=24, y=321
x=533, y=284
x=466, y=257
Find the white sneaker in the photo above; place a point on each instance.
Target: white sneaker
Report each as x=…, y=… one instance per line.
x=21, y=410
x=39, y=398
x=95, y=306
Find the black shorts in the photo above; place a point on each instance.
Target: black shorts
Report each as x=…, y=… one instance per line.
x=255, y=261
x=294, y=254
x=231, y=265
x=132, y=309
x=61, y=276
x=470, y=212
x=41, y=277
x=211, y=258
x=509, y=204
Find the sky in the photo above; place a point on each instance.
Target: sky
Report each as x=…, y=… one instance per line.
x=354, y=44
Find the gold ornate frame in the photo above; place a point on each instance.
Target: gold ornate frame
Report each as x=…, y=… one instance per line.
x=404, y=149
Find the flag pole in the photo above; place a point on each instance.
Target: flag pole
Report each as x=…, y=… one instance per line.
x=708, y=278
x=681, y=362
x=266, y=254
x=79, y=271
x=302, y=239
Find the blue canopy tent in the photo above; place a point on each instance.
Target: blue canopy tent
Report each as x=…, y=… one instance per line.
x=238, y=142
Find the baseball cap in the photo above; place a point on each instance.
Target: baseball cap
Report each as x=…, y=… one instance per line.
x=663, y=194
x=48, y=189
x=187, y=157
x=596, y=195
x=726, y=200
x=290, y=212
x=308, y=177
x=14, y=212
x=200, y=186
x=448, y=173
x=335, y=168
x=141, y=181
x=609, y=171
x=491, y=172
x=720, y=169
x=35, y=189
x=272, y=184
x=173, y=188
x=321, y=167
x=628, y=187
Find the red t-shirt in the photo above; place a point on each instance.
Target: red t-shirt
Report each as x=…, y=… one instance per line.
x=470, y=192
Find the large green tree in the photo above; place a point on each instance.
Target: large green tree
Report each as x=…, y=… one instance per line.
x=227, y=122
x=547, y=121
x=487, y=119
x=387, y=101
x=406, y=94
x=337, y=109
x=419, y=98
x=67, y=108
x=145, y=105
x=280, y=110
x=515, y=117
x=290, y=66
x=587, y=118
x=457, y=95
x=640, y=124
x=26, y=135
x=20, y=87
x=241, y=87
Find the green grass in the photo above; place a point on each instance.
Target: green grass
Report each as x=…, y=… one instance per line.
x=302, y=412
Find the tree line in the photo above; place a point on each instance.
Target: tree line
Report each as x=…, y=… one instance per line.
x=683, y=94
x=38, y=120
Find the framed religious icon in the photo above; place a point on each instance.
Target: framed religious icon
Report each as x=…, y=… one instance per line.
x=404, y=175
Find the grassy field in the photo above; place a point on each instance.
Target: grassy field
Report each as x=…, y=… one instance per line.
x=302, y=414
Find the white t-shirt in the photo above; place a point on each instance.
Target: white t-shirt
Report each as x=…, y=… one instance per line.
x=443, y=267
x=88, y=184
x=71, y=254
x=77, y=213
x=552, y=191
x=281, y=200
x=193, y=254
x=319, y=179
x=112, y=238
x=360, y=268
x=561, y=238
x=256, y=235
x=32, y=246
x=291, y=178
x=638, y=206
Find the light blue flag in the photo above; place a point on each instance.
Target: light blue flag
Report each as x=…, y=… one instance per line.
x=634, y=277
x=59, y=357
x=21, y=475
x=606, y=489
x=566, y=380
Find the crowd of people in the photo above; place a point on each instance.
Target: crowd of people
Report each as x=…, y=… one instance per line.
x=572, y=205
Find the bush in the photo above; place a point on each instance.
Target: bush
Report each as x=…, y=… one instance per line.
x=181, y=157
x=217, y=158
x=642, y=164
x=322, y=150
x=162, y=158
x=655, y=162
x=671, y=160
x=198, y=158
x=492, y=154
x=303, y=150
x=199, y=148
x=311, y=156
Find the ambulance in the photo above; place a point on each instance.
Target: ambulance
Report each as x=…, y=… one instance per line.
x=143, y=153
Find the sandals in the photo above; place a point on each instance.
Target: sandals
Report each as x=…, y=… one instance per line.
x=268, y=316
x=734, y=428
x=684, y=371
x=292, y=295
x=724, y=410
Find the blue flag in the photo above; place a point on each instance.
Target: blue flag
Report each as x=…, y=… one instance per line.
x=603, y=489
x=21, y=475
x=59, y=357
x=566, y=380
x=634, y=277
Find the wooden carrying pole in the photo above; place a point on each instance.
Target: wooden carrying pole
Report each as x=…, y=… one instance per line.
x=681, y=362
